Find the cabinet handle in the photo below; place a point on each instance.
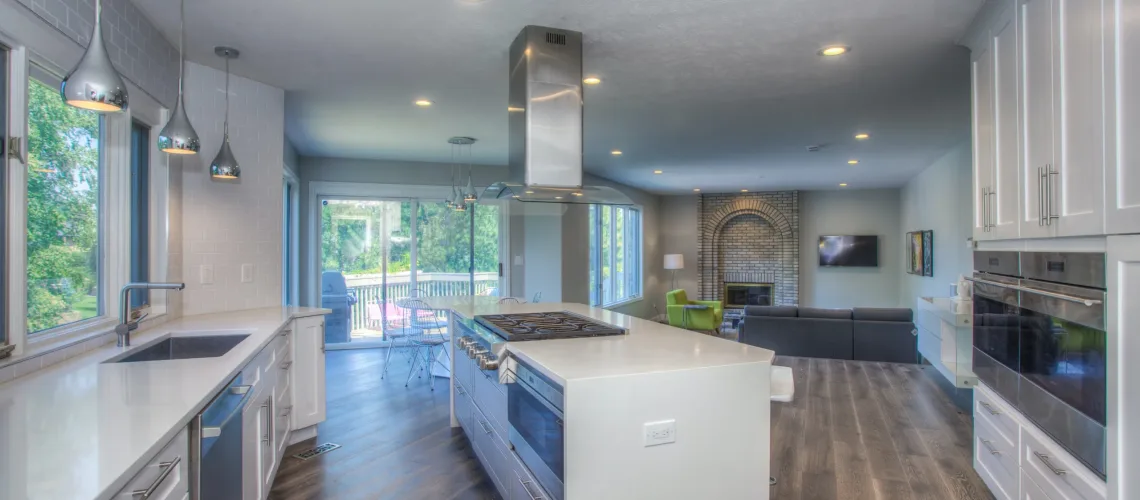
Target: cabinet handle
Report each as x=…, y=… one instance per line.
x=1041, y=196
x=459, y=389
x=985, y=211
x=526, y=487
x=286, y=333
x=484, y=426
x=268, y=423
x=287, y=411
x=990, y=408
x=1045, y=460
x=167, y=468
x=286, y=364
x=989, y=446
x=1049, y=173
x=993, y=209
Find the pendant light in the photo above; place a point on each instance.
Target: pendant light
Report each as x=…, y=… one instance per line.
x=93, y=83
x=225, y=166
x=469, y=195
x=178, y=136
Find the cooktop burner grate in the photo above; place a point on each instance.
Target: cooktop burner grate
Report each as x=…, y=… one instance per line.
x=548, y=325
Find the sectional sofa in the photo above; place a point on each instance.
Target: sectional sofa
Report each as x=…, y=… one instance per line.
x=862, y=333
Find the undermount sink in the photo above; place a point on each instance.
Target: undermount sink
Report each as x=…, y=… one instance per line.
x=206, y=346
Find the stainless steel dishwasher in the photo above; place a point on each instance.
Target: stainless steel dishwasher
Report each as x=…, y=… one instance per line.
x=215, y=445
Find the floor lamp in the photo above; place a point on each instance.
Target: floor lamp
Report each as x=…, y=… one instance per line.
x=673, y=262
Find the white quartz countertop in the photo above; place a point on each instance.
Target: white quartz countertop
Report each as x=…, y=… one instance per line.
x=649, y=346
x=82, y=429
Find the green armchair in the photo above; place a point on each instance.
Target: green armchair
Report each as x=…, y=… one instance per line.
x=698, y=319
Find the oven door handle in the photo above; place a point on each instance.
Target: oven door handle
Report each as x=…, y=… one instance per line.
x=1055, y=295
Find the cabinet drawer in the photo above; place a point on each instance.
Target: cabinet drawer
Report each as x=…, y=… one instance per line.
x=464, y=368
x=997, y=454
x=1030, y=490
x=997, y=412
x=167, y=475
x=463, y=409
x=1059, y=475
x=492, y=451
x=262, y=370
x=929, y=321
x=491, y=398
x=525, y=486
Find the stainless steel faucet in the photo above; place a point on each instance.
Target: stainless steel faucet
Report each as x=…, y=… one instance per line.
x=126, y=326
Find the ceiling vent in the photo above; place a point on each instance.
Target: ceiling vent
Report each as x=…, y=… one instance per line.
x=815, y=148
x=556, y=38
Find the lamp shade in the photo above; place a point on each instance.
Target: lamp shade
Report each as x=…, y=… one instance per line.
x=93, y=83
x=674, y=261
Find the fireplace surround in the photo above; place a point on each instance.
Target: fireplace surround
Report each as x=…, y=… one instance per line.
x=749, y=238
x=739, y=295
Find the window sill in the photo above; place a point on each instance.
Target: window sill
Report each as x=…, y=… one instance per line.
x=67, y=342
x=621, y=303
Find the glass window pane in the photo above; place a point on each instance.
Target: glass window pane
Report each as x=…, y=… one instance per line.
x=63, y=211
x=443, y=262
x=486, y=249
x=140, y=211
x=593, y=229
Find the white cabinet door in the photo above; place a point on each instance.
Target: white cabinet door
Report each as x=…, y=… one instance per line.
x=1123, y=349
x=1030, y=490
x=1035, y=27
x=253, y=450
x=308, y=372
x=1005, y=218
x=1122, y=124
x=1076, y=194
x=982, y=81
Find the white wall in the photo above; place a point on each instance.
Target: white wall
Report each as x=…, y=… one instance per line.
x=227, y=224
x=938, y=198
x=679, y=234
x=850, y=212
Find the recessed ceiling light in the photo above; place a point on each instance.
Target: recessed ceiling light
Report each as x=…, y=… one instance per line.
x=529, y=192
x=862, y=135
x=834, y=50
x=576, y=193
x=513, y=109
x=616, y=152
x=558, y=197
x=591, y=80
x=696, y=190
x=515, y=196
x=852, y=162
x=842, y=184
x=743, y=190
x=658, y=172
x=423, y=103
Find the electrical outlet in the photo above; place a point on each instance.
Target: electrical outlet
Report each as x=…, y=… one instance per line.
x=663, y=432
x=247, y=273
x=206, y=274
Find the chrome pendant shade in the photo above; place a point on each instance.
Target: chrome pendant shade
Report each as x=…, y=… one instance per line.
x=93, y=83
x=461, y=197
x=225, y=165
x=178, y=136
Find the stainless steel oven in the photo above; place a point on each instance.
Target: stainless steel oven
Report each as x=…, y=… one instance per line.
x=535, y=414
x=1039, y=341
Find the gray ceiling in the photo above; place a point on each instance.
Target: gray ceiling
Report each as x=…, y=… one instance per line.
x=720, y=94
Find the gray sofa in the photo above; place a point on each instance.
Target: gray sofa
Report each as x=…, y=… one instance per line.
x=862, y=333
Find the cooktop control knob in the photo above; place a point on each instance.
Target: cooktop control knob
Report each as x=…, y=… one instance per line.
x=487, y=361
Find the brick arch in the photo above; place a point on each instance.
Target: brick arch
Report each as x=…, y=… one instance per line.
x=712, y=265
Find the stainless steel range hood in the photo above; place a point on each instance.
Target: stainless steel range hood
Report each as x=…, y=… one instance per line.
x=544, y=110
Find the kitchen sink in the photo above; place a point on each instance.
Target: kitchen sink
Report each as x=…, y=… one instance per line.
x=206, y=346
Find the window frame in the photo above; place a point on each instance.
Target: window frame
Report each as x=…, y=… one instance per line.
x=632, y=258
x=139, y=187
x=5, y=346
x=25, y=63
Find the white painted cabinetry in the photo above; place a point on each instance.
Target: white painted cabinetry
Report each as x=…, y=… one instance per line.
x=982, y=103
x=164, y=477
x=308, y=371
x=1122, y=123
x=1035, y=22
x=1123, y=349
x=996, y=179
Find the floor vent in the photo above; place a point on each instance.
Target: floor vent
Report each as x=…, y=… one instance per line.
x=316, y=451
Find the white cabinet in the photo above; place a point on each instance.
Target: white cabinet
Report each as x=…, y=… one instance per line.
x=1035, y=22
x=1030, y=490
x=308, y=371
x=257, y=445
x=1122, y=350
x=982, y=103
x=996, y=177
x=164, y=477
x=1122, y=123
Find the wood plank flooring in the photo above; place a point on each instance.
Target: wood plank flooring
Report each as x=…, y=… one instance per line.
x=855, y=431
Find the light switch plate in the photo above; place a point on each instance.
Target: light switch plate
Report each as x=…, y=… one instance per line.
x=663, y=432
x=247, y=273
x=206, y=274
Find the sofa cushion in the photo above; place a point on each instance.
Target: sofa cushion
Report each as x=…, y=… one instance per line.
x=882, y=314
x=815, y=312
x=777, y=311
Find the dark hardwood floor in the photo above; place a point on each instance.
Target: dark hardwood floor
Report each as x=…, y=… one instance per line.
x=855, y=431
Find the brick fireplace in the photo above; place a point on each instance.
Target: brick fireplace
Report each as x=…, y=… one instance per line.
x=749, y=241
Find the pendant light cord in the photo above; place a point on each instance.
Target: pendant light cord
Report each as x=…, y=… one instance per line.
x=181, y=44
x=226, y=126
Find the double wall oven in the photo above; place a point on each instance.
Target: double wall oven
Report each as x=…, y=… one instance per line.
x=1039, y=342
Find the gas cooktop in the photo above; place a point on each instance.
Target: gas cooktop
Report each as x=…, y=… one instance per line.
x=546, y=325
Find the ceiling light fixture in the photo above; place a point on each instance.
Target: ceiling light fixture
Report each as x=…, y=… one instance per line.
x=743, y=190
x=696, y=190
x=616, y=152
x=834, y=50
x=576, y=193
x=591, y=80
x=852, y=162
x=423, y=103
x=515, y=109
x=842, y=184
x=862, y=135
x=558, y=197
x=225, y=166
x=93, y=83
x=658, y=172
x=178, y=137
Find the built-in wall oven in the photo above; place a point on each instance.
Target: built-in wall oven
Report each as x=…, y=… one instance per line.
x=1039, y=342
x=534, y=411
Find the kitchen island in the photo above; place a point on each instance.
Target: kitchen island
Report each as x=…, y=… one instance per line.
x=658, y=413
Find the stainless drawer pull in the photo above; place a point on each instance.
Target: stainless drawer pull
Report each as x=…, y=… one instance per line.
x=286, y=364
x=1045, y=460
x=990, y=408
x=989, y=446
x=484, y=426
x=167, y=468
x=286, y=333
x=526, y=486
x=459, y=389
x=288, y=410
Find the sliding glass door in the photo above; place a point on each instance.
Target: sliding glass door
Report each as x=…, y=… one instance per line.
x=376, y=252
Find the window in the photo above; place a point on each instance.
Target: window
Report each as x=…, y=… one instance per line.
x=140, y=211
x=615, y=254
x=4, y=340
x=64, y=202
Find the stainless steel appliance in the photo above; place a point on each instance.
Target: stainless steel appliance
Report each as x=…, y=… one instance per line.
x=535, y=415
x=215, y=445
x=546, y=325
x=1039, y=342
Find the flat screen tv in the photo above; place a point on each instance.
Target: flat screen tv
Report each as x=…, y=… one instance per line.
x=849, y=251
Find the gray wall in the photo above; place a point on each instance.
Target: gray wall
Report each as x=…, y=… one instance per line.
x=849, y=212
x=679, y=234
x=938, y=198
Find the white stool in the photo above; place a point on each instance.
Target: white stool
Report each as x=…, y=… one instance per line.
x=783, y=391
